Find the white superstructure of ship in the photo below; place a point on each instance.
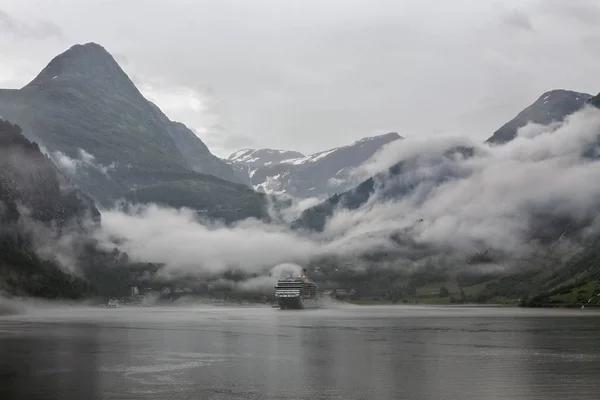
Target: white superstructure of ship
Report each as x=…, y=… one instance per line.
x=297, y=292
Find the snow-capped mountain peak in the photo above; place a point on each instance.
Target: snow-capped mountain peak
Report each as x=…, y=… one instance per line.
x=262, y=157
x=292, y=173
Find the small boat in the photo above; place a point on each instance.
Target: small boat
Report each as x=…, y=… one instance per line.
x=113, y=303
x=297, y=292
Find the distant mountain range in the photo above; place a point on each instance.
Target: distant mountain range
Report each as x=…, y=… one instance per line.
x=552, y=106
x=327, y=173
x=316, y=175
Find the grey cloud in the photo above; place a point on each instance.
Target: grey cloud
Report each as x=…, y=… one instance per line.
x=21, y=30
x=7, y=23
x=123, y=60
x=72, y=166
x=503, y=186
x=454, y=208
x=295, y=208
x=220, y=141
x=591, y=43
x=177, y=239
x=400, y=150
x=305, y=76
x=62, y=246
x=199, y=109
x=581, y=11
x=519, y=19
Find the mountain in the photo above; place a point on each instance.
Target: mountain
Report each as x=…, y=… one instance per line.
x=47, y=246
x=245, y=162
x=390, y=184
x=552, y=106
x=552, y=274
x=315, y=175
x=95, y=124
x=595, y=101
x=263, y=157
x=36, y=200
x=30, y=184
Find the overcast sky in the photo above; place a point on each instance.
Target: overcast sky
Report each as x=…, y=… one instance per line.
x=308, y=75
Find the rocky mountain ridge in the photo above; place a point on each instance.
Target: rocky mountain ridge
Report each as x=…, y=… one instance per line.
x=114, y=144
x=552, y=106
x=316, y=175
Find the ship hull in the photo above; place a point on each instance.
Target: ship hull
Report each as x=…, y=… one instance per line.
x=297, y=293
x=297, y=303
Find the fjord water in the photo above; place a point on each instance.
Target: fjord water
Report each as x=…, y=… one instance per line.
x=386, y=352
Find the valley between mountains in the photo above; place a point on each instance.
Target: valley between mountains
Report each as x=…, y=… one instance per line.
x=101, y=191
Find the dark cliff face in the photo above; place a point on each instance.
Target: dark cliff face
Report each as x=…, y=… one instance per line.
x=595, y=101
x=30, y=184
x=33, y=192
x=45, y=222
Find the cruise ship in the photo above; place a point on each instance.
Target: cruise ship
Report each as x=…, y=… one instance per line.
x=297, y=292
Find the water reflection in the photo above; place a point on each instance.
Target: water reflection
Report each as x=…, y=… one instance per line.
x=561, y=355
x=60, y=364
x=330, y=354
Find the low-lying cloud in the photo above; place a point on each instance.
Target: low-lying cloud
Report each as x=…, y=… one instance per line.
x=492, y=196
x=292, y=210
x=440, y=207
x=176, y=238
x=73, y=165
x=21, y=30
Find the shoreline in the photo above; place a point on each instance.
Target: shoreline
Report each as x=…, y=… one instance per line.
x=368, y=302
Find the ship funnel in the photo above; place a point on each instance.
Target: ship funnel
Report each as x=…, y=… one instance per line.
x=304, y=275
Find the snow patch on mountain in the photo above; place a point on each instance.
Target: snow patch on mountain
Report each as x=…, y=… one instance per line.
x=316, y=175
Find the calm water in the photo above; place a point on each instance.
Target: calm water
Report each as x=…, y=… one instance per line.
x=262, y=353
